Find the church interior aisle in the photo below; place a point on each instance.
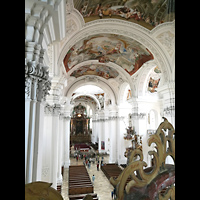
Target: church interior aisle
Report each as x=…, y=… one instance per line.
x=102, y=186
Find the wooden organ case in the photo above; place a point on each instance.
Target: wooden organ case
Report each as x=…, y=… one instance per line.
x=80, y=125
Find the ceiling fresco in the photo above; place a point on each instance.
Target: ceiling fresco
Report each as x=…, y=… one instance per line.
x=98, y=70
x=85, y=99
x=148, y=13
x=126, y=52
x=154, y=80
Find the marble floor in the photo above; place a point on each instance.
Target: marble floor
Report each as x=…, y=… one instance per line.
x=102, y=186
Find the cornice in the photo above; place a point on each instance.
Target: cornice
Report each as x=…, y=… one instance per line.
x=110, y=118
x=54, y=109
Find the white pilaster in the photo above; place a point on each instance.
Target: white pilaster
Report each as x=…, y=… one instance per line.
x=38, y=142
x=106, y=132
x=60, y=149
x=37, y=84
x=93, y=136
x=113, y=136
x=55, y=143
x=47, y=145
x=67, y=135
x=121, y=142
x=101, y=131
x=95, y=128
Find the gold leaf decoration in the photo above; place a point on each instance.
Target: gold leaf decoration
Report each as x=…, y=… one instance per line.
x=140, y=178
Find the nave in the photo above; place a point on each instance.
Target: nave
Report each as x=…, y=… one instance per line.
x=119, y=69
x=133, y=182
x=102, y=186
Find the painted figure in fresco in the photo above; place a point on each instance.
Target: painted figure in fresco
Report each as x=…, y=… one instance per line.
x=116, y=49
x=104, y=59
x=107, y=10
x=153, y=84
x=127, y=53
x=98, y=70
x=97, y=9
x=151, y=12
x=129, y=94
x=100, y=12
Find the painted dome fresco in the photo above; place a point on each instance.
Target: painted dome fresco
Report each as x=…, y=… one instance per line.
x=148, y=13
x=125, y=52
x=98, y=70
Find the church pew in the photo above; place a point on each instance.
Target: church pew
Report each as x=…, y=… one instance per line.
x=81, y=177
x=81, y=189
x=76, y=181
x=81, y=196
x=78, y=185
x=123, y=165
x=79, y=180
x=112, y=170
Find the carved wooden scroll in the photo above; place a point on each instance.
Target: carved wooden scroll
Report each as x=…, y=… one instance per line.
x=157, y=182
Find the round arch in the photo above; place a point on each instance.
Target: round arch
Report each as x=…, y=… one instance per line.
x=90, y=80
x=91, y=106
x=122, y=92
x=128, y=29
x=123, y=74
x=142, y=82
x=89, y=95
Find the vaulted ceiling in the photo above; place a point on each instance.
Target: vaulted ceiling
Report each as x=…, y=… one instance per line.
x=113, y=53
x=103, y=49
x=126, y=52
x=148, y=13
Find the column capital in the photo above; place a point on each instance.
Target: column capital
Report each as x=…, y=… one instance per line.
x=52, y=109
x=67, y=113
x=37, y=81
x=35, y=69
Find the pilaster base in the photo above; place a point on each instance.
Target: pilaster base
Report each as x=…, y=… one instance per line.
x=67, y=164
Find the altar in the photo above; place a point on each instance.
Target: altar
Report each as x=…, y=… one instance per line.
x=80, y=126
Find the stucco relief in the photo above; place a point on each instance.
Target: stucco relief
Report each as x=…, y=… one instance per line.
x=167, y=39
